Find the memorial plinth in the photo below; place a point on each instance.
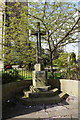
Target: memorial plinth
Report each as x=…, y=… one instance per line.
x=39, y=79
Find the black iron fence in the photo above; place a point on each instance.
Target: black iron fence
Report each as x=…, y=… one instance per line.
x=16, y=74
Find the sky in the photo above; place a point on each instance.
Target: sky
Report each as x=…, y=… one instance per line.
x=73, y=47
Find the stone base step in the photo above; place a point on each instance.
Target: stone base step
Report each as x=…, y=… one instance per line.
x=48, y=100
x=40, y=89
x=50, y=93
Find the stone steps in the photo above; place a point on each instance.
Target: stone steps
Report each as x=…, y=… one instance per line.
x=50, y=93
x=40, y=89
x=43, y=100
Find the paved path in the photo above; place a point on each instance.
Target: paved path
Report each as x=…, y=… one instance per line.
x=66, y=109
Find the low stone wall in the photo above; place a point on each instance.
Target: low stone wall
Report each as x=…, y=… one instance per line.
x=70, y=86
x=10, y=89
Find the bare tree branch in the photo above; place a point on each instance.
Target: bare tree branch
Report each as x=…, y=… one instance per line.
x=67, y=34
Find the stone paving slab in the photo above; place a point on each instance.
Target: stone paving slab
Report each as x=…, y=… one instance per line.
x=63, y=114
x=41, y=114
x=65, y=110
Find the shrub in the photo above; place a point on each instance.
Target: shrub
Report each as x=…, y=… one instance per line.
x=9, y=76
x=72, y=72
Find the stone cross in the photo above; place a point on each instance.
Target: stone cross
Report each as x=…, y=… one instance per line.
x=38, y=33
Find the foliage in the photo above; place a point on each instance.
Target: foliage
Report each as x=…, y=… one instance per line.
x=72, y=72
x=17, y=46
x=68, y=67
x=9, y=76
x=72, y=59
x=12, y=75
x=62, y=60
x=56, y=75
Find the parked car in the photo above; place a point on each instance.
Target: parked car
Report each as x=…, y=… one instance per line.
x=8, y=67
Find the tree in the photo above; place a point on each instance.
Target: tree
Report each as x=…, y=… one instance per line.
x=62, y=61
x=17, y=46
x=60, y=22
x=72, y=58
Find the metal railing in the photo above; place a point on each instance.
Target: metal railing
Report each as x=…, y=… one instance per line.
x=16, y=74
